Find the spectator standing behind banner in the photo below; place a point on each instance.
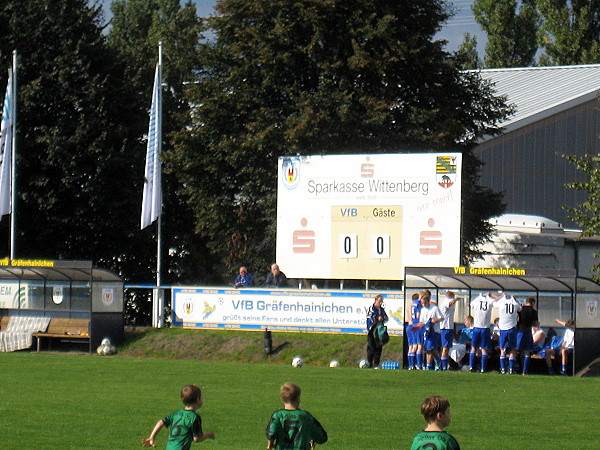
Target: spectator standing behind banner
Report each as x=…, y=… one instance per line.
x=276, y=278
x=244, y=278
x=375, y=315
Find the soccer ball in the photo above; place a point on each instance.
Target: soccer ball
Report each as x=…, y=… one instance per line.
x=363, y=364
x=106, y=342
x=334, y=363
x=105, y=350
x=297, y=362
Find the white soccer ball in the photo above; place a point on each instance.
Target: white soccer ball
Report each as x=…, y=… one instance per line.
x=100, y=349
x=106, y=342
x=297, y=362
x=334, y=363
x=363, y=364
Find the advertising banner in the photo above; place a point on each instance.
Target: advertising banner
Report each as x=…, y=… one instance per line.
x=368, y=216
x=14, y=296
x=317, y=311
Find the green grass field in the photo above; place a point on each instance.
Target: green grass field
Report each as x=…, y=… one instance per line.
x=71, y=401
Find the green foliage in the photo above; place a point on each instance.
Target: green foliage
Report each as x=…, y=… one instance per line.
x=75, y=182
x=511, y=27
x=587, y=214
x=566, y=32
x=467, y=55
x=137, y=28
x=570, y=33
x=315, y=77
x=75, y=401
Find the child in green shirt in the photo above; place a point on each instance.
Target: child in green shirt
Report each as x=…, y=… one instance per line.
x=291, y=428
x=436, y=411
x=185, y=425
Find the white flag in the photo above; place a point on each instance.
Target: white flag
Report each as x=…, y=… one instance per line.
x=152, y=200
x=6, y=132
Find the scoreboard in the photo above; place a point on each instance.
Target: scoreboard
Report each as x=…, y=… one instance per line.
x=368, y=216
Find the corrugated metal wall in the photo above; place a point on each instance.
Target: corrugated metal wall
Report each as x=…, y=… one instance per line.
x=526, y=163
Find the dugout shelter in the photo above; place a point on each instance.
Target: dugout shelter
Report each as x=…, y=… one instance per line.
x=45, y=290
x=559, y=294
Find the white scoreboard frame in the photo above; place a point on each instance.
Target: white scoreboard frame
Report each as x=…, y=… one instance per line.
x=368, y=216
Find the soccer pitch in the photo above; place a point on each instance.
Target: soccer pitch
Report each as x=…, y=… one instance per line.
x=54, y=401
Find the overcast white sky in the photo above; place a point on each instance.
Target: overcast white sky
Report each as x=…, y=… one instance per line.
x=453, y=32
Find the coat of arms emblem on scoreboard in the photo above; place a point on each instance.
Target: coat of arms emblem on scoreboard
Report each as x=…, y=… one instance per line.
x=291, y=172
x=445, y=171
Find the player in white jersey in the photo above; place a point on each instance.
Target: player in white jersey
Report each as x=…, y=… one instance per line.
x=430, y=318
x=508, y=310
x=447, y=306
x=481, y=310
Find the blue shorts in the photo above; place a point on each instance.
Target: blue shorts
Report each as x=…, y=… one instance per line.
x=447, y=336
x=508, y=339
x=480, y=339
x=415, y=337
x=410, y=335
x=525, y=341
x=432, y=342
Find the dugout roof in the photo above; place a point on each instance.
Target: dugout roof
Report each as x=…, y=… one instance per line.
x=493, y=279
x=45, y=270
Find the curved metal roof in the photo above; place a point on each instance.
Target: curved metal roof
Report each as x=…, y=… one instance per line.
x=54, y=271
x=539, y=92
x=492, y=279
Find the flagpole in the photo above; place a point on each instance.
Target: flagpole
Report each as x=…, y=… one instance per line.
x=159, y=294
x=13, y=215
x=152, y=195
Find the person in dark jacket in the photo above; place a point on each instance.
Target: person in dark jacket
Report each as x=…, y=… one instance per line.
x=276, y=278
x=375, y=315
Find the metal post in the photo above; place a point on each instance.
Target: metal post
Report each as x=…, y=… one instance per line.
x=13, y=214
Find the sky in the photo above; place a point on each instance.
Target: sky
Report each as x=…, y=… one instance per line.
x=453, y=32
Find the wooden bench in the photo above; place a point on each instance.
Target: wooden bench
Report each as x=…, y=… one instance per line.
x=66, y=330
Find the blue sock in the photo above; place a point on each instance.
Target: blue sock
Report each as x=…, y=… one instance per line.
x=411, y=360
x=563, y=368
x=526, y=359
x=503, y=363
x=444, y=363
x=419, y=360
x=430, y=365
x=472, y=357
x=511, y=363
x=483, y=361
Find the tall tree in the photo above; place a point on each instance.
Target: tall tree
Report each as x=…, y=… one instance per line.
x=75, y=185
x=286, y=77
x=137, y=26
x=467, y=55
x=570, y=33
x=511, y=27
x=587, y=214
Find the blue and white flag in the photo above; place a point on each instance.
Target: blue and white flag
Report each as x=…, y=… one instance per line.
x=6, y=138
x=152, y=200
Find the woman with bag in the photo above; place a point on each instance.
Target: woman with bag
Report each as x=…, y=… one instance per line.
x=376, y=316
